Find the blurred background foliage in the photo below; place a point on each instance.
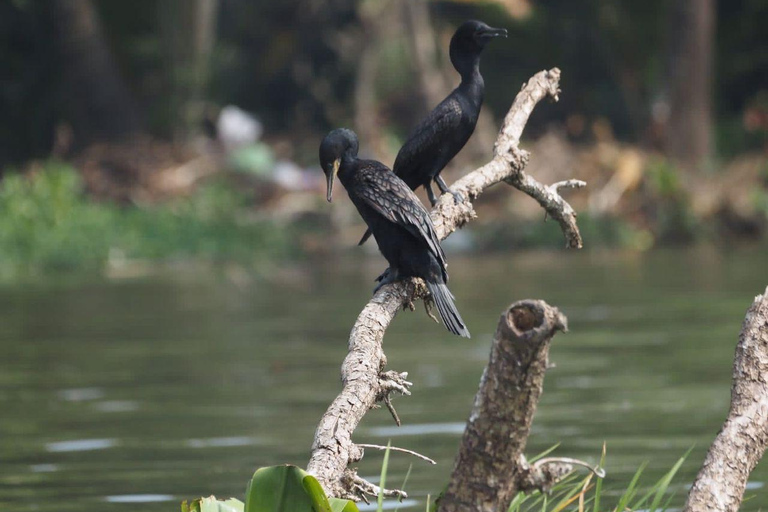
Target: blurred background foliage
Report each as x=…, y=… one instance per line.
x=664, y=108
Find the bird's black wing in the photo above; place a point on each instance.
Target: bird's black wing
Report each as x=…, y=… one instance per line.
x=429, y=139
x=392, y=198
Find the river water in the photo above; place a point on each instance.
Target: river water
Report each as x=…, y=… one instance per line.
x=152, y=389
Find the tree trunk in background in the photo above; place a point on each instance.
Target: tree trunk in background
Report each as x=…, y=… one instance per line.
x=689, y=82
x=380, y=22
x=421, y=39
x=94, y=98
x=189, y=34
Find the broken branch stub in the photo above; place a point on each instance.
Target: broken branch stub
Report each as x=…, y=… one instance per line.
x=490, y=467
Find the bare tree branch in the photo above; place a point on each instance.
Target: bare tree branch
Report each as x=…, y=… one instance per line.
x=720, y=484
x=364, y=381
x=490, y=460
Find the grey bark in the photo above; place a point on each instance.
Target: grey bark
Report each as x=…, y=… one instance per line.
x=364, y=380
x=689, y=81
x=94, y=98
x=740, y=445
x=490, y=464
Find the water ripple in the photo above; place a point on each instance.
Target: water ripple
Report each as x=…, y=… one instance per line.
x=81, y=445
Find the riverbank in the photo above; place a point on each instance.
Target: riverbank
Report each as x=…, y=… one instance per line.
x=55, y=220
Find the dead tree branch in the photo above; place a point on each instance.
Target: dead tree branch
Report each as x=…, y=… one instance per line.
x=740, y=445
x=490, y=462
x=364, y=381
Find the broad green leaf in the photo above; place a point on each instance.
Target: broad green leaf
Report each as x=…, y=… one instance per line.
x=278, y=489
x=211, y=504
x=338, y=505
x=290, y=489
x=316, y=494
x=321, y=502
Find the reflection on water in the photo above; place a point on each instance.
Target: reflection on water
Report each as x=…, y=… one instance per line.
x=153, y=390
x=81, y=445
x=139, y=498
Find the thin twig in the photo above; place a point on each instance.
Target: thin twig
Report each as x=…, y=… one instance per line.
x=597, y=470
x=396, y=449
x=391, y=407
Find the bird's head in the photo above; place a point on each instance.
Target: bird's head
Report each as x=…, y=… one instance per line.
x=336, y=145
x=470, y=39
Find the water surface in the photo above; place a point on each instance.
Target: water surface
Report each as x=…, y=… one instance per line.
x=150, y=390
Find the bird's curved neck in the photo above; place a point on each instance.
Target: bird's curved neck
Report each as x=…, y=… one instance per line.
x=472, y=84
x=468, y=67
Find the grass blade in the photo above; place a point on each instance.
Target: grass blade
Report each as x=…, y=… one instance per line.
x=383, y=479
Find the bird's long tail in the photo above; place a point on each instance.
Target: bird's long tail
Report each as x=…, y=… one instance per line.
x=444, y=301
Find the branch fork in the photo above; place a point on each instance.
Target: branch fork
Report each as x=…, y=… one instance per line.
x=365, y=383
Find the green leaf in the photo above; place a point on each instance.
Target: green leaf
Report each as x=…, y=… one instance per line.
x=290, y=489
x=278, y=489
x=316, y=494
x=338, y=505
x=211, y=504
x=383, y=479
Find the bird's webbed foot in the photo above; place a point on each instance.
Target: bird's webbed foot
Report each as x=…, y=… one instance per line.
x=444, y=188
x=387, y=277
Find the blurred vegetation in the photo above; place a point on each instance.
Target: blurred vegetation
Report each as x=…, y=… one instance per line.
x=79, y=74
x=48, y=224
x=294, y=63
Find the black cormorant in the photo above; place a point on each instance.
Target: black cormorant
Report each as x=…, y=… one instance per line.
x=442, y=134
x=399, y=222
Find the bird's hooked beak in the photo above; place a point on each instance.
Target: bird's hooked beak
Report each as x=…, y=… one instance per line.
x=331, y=176
x=494, y=32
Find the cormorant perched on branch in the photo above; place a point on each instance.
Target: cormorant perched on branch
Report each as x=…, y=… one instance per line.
x=442, y=134
x=399, y=222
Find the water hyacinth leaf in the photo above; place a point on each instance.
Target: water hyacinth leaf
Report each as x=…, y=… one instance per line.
x=339, y=505
x=316, y=494
x=289, y=488
x=278, y=489
x=321, y=502
x=211, y=504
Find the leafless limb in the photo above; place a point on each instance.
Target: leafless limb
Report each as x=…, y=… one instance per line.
x=364, y=380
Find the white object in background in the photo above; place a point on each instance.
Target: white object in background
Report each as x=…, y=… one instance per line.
x=236, y=128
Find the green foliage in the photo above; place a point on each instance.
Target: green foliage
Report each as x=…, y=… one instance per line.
x=284, y=488
x=383, y=479
x=672, y=218
x=211, y=504
x=567, y=495
x=48, y=224
x=597, y=231
x=255, y=159
x=289, y=488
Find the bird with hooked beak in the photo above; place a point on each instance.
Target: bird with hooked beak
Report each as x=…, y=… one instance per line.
x=399, y=222
x=444, y=132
